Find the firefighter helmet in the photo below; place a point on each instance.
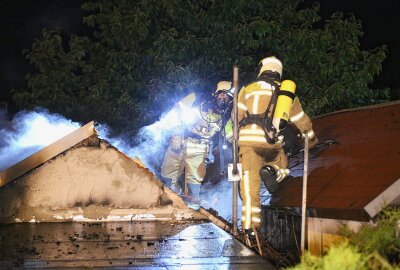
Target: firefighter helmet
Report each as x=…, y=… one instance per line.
x=224, y=86
x=272, y=64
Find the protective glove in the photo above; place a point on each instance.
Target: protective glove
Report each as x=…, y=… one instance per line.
x=312, y=139
x=176, y=144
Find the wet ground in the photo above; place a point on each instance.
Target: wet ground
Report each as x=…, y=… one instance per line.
x=123, y=245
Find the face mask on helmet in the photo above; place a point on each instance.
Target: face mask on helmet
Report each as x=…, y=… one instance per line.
x=223, y=100
x=271, y=75
x=223, y=95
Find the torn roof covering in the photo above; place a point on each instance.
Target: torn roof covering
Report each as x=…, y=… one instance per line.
x=355, y=178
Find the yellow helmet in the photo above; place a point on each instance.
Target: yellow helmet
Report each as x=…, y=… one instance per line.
x=271, y=63
x=224, y=86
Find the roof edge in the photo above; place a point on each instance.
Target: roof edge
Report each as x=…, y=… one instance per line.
x=374, y=106
x=389, y=195
x=47, y=153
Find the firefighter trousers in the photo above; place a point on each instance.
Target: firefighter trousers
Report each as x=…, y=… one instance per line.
x=172, y=167
x=190, y=160
x=253, y=158
x=195, y=167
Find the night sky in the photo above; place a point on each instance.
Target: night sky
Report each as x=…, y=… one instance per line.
x=23, y=20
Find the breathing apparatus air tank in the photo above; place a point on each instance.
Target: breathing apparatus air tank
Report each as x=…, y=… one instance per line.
x=284, y=102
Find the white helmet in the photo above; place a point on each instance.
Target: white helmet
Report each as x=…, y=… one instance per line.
x=271, y=63
x=224, y=86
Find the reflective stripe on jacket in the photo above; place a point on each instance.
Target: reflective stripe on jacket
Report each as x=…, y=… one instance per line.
x=254, y=99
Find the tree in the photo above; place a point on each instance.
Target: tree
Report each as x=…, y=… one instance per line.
x=142, y=55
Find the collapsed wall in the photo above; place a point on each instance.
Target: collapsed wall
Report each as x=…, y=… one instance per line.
x=90, y=181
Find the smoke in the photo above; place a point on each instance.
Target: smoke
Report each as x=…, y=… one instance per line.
x=219, y=198
x=150, y=143
x=30, y=132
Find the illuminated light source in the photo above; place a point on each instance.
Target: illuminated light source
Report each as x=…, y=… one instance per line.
x=188, y=115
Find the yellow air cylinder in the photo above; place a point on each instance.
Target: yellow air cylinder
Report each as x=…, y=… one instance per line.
x=283, y=104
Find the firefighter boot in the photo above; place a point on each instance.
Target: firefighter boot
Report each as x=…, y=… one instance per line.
x=194, y=191
x=268, y=176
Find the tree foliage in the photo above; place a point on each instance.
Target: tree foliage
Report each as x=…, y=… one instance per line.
x=140, y=56
x=374, y=246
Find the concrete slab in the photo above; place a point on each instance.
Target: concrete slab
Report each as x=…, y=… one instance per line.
x=197, y=244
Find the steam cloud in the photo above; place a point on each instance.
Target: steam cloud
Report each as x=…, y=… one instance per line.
x=31, y=131
x=219, y=197
x=150, y=142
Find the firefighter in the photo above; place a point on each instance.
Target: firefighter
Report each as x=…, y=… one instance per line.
x=188, y=151
x=260, y=141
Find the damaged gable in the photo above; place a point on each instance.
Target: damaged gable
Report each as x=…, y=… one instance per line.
x=89, y=181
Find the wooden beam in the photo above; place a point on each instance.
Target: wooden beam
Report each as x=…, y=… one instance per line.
x=47, y=153
x=388, y=196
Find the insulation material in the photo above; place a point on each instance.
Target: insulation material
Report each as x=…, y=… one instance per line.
x=89, y=181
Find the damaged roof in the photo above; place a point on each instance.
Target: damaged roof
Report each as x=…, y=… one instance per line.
x=84, y=179
x=355, y=177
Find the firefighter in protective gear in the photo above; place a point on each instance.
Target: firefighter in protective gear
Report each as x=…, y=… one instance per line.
x=173, y=165
x=261, y=145
x=187, y=151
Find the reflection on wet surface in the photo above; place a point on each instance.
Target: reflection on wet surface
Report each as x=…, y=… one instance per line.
x=149, y=244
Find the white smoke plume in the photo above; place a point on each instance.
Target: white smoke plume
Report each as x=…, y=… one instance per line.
x=219, y=198
x=30, y=132
x=149, y=144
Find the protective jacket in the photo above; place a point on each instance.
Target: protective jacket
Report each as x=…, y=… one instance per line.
x=255, y=152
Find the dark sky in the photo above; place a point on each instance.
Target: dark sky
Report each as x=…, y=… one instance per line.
x=22, y=21
x=381, y=25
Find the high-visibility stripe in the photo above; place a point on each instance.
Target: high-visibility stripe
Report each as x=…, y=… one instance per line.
x=253, y=209
x=297, y=117
x=247, y=199
x=258, y=93
x=195, y=146
x=251, y=132
x=255, y=104
x=264, y=85
x=195, y=151
x=252, y=139
x=242, y=106
x=256, y=220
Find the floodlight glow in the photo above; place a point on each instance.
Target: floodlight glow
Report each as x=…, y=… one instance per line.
x=188, y=115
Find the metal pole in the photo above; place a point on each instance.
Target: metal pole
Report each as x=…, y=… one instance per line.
x=304, y=200
x=235, y=148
